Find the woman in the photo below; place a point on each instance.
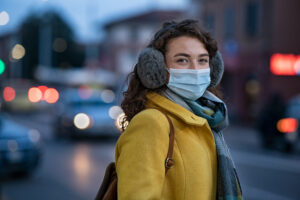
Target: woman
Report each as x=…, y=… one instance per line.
x=172, y=77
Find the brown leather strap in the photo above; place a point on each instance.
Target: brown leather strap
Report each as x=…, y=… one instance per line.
x=169, y=161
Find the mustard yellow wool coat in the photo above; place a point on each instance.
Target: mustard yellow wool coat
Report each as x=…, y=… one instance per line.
x=142, y=149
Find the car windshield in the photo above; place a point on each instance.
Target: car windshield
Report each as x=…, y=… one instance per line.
x=74, y=98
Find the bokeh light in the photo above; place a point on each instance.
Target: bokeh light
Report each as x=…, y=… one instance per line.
x=12, y=145
x=115, y=111
x=43, y=89
x=34, y=135
x=82, y=121
x=252, y=87
x=85, y=92
x=118, y=122
x=82, y=165
x=51, y=95
x=59, y=45
x=18, y=52
x=282, y=64
x=287, y=125
x=9, y=93
x=297, y=66
x=108, y=96
x=34, y=95
x=2, y=66
x=4, y=18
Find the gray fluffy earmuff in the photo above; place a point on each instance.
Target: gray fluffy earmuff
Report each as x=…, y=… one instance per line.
x=153, y=72
x=216, y=69
x=152, y=69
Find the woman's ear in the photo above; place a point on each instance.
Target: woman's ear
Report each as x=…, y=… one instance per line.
x=152, y=69
x=216, y=70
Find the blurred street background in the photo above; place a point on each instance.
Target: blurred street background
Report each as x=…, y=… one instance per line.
x=63, y=67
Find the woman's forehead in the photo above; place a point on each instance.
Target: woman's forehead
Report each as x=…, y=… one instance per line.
x=185, y=44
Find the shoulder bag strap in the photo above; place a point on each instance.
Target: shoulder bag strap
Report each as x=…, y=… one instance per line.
x=169, y=160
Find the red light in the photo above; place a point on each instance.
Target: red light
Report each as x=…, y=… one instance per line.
x=281, y=64
x=9, y=93
x=34, y=94
x=297, y=66
x=43, y=90
x=287, y=125
x=51, y=95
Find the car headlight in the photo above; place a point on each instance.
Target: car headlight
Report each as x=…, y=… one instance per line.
x=34, y=136
x=82, y=121
x=115, y=111
x=12, y=145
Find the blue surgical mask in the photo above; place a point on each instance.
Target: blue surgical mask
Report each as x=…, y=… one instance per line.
x=189, y=83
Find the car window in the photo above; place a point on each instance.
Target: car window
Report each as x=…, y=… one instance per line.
x=88, y=103
x=293, y=109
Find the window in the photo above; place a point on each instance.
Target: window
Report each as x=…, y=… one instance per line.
x=209, y=23
x=134, y=33
x=120, y=34
x=229, y=22
x=251, y=19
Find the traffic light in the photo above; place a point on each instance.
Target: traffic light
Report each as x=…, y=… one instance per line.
x=2, y=66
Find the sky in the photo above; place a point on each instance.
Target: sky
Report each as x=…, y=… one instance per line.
x=85, y=16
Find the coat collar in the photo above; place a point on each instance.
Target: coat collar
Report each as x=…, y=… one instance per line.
x=158, y=101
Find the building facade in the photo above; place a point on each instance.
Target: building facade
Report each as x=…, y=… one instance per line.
x=125, y=38
x=250, y=33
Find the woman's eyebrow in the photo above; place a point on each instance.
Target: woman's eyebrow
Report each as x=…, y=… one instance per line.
x=182, y=54
x=187, y=55
x=203, y=55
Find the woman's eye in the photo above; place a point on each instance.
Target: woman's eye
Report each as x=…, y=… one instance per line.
x=203, y=60
x=182, y=60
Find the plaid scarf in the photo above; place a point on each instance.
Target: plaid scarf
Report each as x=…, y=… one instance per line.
x=214, y=110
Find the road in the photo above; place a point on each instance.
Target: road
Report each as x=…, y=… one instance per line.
x=74, y=170
x=264, y=174
x=69, y=171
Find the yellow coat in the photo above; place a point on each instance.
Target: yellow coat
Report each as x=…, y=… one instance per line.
x=142, y=149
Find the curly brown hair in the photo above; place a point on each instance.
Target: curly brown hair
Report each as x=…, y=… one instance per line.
x=135, y=97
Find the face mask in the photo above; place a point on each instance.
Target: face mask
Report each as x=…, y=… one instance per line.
x=189, y=83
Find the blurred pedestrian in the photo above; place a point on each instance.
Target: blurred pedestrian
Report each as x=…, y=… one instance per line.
x=175, y=75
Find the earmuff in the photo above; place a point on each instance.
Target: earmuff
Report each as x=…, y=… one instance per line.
x=153, y=72
x=152, y=69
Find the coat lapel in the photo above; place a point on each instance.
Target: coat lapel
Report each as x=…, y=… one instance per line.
x=158, y=101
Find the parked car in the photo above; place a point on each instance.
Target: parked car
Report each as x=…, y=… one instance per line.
x=15, y=96
x=87, y=112
x=271, y=113
x=20, y=148
x=289, y=125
